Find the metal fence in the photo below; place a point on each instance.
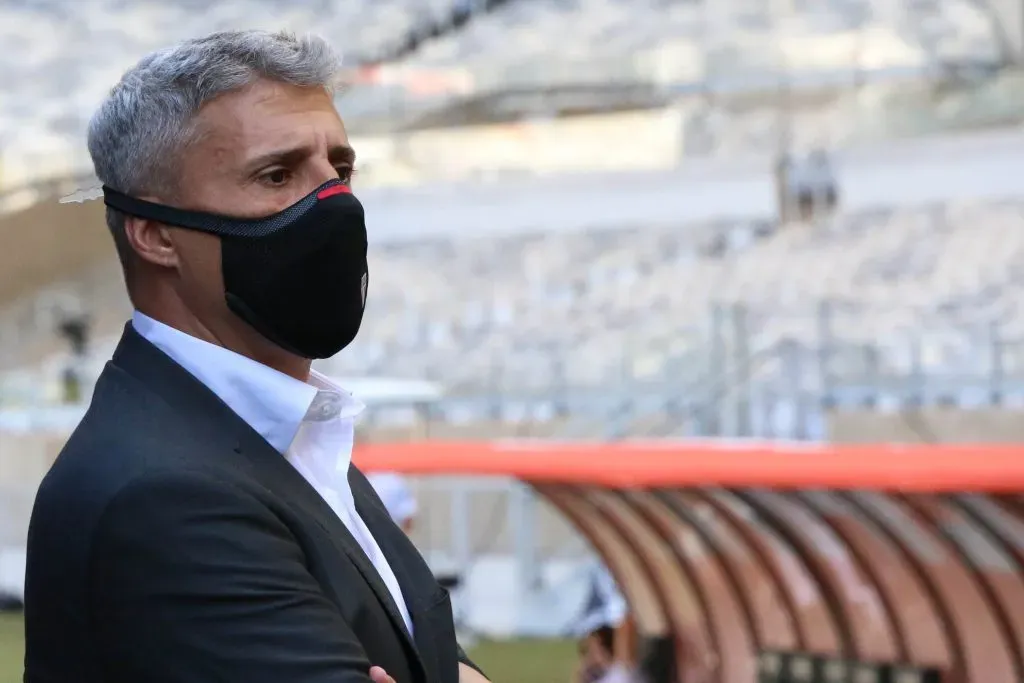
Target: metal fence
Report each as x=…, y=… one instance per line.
x=729, y=383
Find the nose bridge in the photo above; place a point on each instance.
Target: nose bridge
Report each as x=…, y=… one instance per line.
x=321, y=167
x=320, y=160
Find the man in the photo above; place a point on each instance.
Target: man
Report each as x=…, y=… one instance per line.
x=203, y=523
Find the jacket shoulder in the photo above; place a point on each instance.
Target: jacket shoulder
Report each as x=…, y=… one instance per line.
x=127, y=435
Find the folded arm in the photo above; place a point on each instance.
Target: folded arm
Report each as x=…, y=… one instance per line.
x=470, y=674
x=195, y=581
x=467, y=667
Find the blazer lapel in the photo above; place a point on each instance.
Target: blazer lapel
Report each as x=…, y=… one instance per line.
x=385, y=532
x=286, y=482
x=215, y=420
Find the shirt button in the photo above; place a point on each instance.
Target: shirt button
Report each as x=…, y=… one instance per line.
x=325, y=406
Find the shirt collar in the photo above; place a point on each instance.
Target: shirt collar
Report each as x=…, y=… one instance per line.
x=270, y=402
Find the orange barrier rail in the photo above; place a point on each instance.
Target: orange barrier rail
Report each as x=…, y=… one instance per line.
x=762, y=562
x=688, y=463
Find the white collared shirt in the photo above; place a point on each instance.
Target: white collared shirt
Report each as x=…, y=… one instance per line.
x=618, y=673
x=311, y=424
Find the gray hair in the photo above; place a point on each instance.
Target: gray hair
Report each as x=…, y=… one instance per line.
x=140, y=130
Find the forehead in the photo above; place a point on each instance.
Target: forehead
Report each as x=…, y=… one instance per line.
x=266, y=116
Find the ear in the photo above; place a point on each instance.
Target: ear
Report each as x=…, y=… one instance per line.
x=152, y=241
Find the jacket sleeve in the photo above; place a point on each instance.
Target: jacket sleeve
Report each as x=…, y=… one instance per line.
x=193, y=581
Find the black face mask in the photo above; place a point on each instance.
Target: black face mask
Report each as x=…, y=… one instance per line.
x=299, y=276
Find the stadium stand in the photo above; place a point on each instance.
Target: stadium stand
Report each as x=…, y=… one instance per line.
x=488, y=313
x=63, y=55
x=597, y=298
x=595, y=35
x=593, y=308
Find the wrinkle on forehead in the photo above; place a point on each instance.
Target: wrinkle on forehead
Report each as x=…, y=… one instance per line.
x=266, y=116
x=261, y=118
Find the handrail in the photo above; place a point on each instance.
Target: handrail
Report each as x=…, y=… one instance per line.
x=661, y=462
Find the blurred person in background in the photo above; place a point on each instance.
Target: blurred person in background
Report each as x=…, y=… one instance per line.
x=204, y=521
x=604, y=612
x=397, y=496
x=598, y=663
x=605, y=604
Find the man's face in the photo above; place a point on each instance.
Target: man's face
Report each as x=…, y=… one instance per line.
x=261, y=149
x=255, y=152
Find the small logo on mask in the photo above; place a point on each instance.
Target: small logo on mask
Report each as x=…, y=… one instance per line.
x=362, y=287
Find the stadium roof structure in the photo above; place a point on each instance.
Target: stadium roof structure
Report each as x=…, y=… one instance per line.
x=747, y=561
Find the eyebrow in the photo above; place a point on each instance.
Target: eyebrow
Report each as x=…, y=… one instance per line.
x=292, y=156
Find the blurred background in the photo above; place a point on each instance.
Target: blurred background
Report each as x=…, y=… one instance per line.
x=589, y=219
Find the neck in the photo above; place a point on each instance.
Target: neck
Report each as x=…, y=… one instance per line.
x=282, y=361
x=233, y=335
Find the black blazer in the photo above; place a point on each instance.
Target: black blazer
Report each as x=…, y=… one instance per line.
x=171, y=543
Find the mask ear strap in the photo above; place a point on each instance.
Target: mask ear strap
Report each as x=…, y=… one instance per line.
x=226, y=225
x=133, y=206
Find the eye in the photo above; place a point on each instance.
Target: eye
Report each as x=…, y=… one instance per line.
x=276, y=177
x=345, y=173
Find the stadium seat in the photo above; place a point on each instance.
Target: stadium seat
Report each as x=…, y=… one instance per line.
x=522, y=313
